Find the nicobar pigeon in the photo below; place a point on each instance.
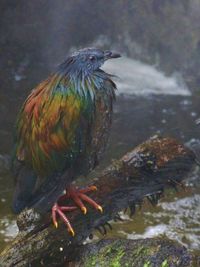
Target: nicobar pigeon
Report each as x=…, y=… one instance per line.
x=61, y=132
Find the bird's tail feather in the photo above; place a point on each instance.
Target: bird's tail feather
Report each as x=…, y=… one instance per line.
x=25, y=183
x=49, y=192
x=28, y=195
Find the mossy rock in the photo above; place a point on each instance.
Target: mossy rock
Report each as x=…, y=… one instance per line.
x=136, y=253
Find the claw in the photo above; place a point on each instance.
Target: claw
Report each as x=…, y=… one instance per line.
x=100, y=208
x=71, y=231
x=55, y=224
x=93, y=188
x=84, y=210
x=79, y=195
x=88, y=189
x=56, y=209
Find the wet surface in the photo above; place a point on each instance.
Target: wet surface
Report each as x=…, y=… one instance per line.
x=138, y=115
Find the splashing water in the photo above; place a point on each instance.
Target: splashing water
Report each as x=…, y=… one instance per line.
x=142, y=79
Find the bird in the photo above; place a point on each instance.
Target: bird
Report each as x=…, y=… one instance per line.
x=61, y=133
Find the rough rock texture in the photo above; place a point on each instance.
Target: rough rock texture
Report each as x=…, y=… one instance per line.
x=136, y=253
x=144, y=172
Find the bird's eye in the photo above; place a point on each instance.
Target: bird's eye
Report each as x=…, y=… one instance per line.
x=92, y=58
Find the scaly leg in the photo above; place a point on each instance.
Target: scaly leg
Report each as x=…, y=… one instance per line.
x=56, y=209
x=79, y=195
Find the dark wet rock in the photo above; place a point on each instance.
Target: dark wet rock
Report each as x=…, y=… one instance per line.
x=143, y=172
x=136, y=253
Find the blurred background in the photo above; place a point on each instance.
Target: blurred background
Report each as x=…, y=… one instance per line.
x=158, y=87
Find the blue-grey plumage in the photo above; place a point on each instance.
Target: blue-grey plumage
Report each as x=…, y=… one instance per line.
x=62, y=128
x=85, y=61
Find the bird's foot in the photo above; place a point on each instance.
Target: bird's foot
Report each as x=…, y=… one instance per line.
x=79, y=195
x=59, y=210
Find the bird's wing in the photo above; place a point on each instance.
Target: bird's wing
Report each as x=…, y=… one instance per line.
x=51, y=126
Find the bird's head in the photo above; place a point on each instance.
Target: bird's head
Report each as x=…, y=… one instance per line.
x=87, y=60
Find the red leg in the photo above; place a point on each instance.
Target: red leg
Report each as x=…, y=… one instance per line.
x=78, y=195
x=56, y=209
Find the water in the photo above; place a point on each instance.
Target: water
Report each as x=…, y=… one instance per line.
x=142, y=79
x=148, y=103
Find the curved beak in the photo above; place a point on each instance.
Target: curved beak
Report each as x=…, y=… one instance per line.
x=110, y=55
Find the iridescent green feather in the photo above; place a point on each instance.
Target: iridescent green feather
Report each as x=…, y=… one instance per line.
x=51, y=127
